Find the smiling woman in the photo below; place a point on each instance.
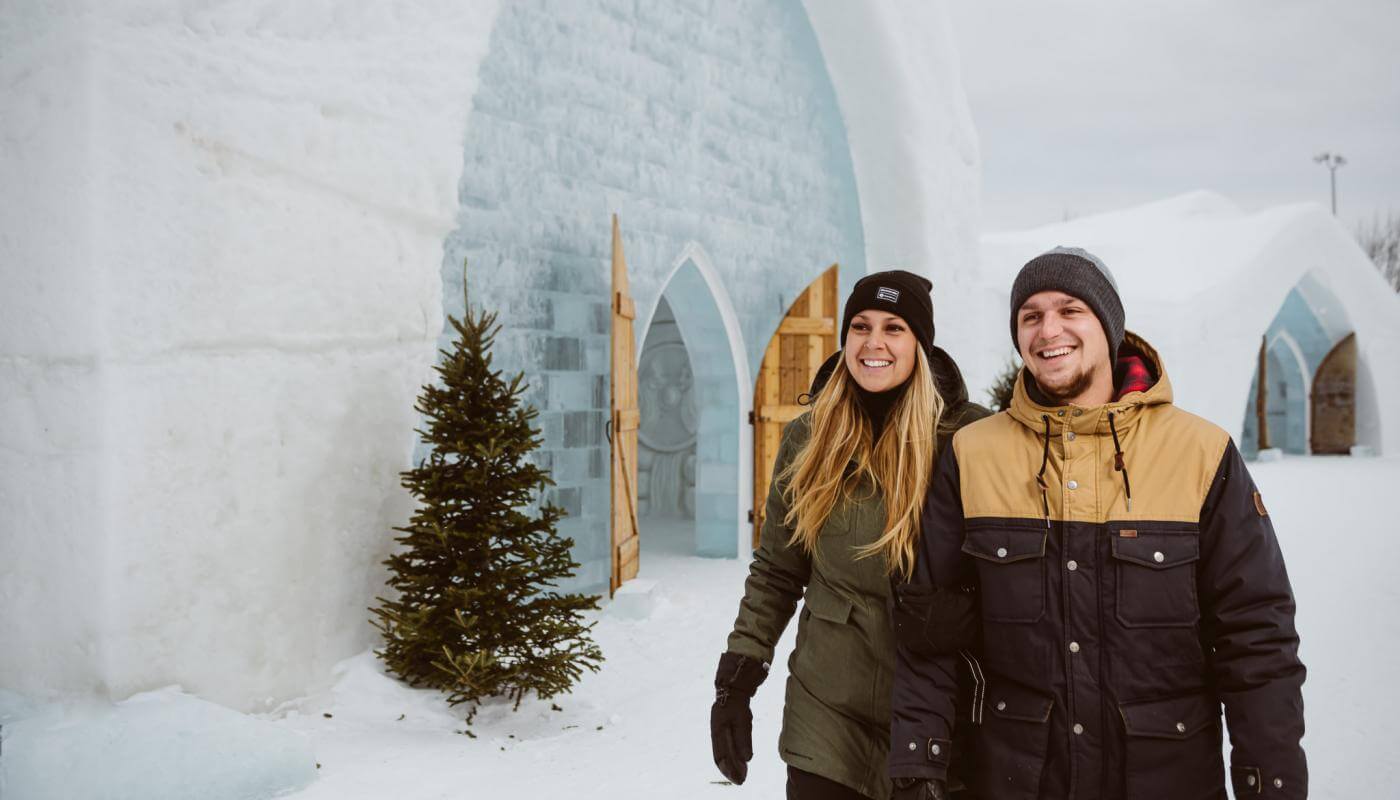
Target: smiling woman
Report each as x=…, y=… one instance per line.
x=879, y=350
x=839, y=527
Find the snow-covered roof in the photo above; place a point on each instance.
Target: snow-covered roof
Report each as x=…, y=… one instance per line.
x=1202, y=279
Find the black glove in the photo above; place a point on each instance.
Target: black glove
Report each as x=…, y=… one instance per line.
x=932, y=620
x=919, y=789
x=731, y=722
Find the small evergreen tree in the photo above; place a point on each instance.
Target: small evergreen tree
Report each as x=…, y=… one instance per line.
x=1004, y=386
x=477, y=615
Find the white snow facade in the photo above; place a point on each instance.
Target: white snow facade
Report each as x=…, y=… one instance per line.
x=1207, y=284
x=240, y=225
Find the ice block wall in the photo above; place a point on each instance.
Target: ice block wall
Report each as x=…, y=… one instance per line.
x=706, y=122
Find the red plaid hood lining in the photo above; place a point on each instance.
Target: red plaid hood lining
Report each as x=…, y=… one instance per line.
x=1133, y=375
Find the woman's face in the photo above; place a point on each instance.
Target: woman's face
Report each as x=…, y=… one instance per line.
x=879, y=350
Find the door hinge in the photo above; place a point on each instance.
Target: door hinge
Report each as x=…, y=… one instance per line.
x=751, y=418
x=751, y=517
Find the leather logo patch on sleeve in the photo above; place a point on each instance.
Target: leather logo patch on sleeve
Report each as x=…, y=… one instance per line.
x=1259, y=505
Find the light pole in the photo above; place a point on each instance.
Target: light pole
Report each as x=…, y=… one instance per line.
x=1331, y=161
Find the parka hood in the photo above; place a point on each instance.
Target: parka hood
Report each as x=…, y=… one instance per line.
x=1115, y=418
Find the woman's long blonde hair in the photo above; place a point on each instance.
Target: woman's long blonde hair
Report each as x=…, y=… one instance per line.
x=839, y=455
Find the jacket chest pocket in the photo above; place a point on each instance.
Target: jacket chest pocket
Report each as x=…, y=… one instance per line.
x=1011, y=569
x=1156, y=578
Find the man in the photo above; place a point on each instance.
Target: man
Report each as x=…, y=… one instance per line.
x=1117, y=616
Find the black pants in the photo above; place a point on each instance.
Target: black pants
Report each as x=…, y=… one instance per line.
x=806, y=786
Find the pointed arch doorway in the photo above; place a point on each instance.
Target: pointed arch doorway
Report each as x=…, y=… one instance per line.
x=693, y=381
x=1281, y=395
x=689, y=387
x=1312, y=390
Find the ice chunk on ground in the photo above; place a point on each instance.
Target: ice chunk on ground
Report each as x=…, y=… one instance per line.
x=634, y=600
x=161, y=745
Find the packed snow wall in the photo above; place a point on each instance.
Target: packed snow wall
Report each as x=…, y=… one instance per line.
x=225, y=276
x=220, y=254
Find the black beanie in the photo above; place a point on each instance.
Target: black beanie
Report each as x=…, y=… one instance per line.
x=898, y=292
x=1075, y=272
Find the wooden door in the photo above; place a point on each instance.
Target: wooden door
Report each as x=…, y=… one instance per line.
x=1334, y=400
x=806, y=336
x=623, y=423
x=1261, y=395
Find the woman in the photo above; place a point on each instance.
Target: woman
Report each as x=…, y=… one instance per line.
x=841, y=526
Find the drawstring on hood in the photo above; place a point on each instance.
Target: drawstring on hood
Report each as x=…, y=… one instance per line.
x=1142, y=383
x=1040, y=476
x=1118, y=465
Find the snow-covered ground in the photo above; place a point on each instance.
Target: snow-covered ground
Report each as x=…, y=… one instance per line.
x=639, y=728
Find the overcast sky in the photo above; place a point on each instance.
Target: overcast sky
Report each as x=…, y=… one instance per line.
x=1084, y=106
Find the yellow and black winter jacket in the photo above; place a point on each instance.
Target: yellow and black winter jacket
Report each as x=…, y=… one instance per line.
x=1117, y=616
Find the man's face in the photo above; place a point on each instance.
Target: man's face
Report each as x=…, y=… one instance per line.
x=1065, y=348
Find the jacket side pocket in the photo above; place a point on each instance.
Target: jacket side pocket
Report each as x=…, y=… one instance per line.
x=1012, y=741
x=1173, y=749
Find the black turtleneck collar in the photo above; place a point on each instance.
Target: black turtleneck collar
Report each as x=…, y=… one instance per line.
x=877, y=406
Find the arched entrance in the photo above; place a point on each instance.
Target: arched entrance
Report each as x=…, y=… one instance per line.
x=1286, y=396
x=1304, y=397
x=666, y=438
x=692, y=411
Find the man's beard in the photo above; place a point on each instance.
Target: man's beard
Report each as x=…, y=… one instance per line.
x=1077, y=386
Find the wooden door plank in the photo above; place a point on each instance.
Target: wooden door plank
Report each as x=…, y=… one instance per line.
x=808, y=326
x=624, y=416
x=781, y=413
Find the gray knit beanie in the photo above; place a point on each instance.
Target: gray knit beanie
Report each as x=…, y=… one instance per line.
x=1076, y=272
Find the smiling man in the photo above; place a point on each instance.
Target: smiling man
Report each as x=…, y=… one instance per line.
x=1117, y=616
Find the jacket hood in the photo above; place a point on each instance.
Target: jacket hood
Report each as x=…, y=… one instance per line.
x=947, y=378
x=1114, y=419
x=1086, y=419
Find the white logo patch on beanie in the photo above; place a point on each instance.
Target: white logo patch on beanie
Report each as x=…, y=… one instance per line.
x=887, y=294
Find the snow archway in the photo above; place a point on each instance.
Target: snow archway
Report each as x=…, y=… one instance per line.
x=713, y=339
x=1310, y=321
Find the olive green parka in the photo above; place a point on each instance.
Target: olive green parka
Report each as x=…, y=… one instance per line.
x=836, y=717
